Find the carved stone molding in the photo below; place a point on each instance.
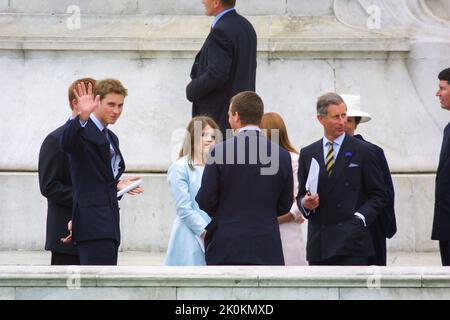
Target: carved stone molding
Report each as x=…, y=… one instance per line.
x=414, y=19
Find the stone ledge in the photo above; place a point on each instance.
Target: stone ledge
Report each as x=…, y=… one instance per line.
x=225, y=282
x=169, y=33
x=225, y=276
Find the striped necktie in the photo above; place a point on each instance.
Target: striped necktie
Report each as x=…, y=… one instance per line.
x=329, y=160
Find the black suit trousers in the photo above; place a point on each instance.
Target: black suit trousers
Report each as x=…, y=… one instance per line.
x=98, y=252
x=342, y=261
x=64, y=259
x=444, y=247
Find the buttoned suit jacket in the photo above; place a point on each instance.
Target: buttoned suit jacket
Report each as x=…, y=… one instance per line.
x=355, y=185
x=95, y=212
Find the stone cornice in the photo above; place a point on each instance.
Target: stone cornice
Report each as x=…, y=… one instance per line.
x=186, y=34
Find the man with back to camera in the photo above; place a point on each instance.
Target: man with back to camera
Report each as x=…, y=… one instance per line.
x=225, y=65
x=56, y=185
x=96, y=165
x=441, y=221
x=246, y=184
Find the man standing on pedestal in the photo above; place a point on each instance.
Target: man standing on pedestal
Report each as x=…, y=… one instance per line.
x=441, y=223
x=225, y=65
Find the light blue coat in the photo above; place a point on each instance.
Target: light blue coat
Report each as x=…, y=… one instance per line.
x=184, y=248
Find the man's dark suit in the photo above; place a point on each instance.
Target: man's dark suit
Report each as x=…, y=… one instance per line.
x=243, y=203
x=441, y=223
x=56, y=185
x=355, y=185
x=95, y=204
x=225, y=66
x=385, y=225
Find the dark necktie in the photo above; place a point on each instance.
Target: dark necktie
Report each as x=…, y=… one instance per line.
x=329, y=160
x=112, y=152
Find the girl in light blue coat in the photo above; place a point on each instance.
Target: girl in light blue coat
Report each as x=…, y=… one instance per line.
x=184, y=176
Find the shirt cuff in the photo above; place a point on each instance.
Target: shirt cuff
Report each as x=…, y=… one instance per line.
x=360, y=216
x=305, y=211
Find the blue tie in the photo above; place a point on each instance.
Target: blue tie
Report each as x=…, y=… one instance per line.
x=112, y=152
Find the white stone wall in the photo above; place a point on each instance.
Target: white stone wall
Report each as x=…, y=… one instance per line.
x=398, y=92
x=146, y=220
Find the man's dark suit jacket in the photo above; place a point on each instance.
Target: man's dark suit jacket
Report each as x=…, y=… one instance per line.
x=355, y=185
x=56, y=185
x=225, y=66
x=385, y=225
x=95, y=204
x=441, y=223
x=243, y=203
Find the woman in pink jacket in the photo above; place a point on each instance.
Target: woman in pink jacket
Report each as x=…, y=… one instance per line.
x=290, y=223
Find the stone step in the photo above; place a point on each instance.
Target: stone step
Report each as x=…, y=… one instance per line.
x=143, y=258
x=223, y=283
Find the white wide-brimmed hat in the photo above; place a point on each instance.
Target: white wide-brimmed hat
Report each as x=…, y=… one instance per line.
x=353, y=103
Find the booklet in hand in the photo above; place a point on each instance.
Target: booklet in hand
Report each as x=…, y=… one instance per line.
x=131, y=186
x=313, y=177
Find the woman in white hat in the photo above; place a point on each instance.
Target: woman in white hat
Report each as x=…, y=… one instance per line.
x=385, y=225
x=355, y=115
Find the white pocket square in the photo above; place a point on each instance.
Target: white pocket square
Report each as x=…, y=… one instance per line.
x=353, y=165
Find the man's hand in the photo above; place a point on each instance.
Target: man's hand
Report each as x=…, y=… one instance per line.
x=86, y=101
x=68, y=239
x=311, y=202
x=125, y=182
x=300, y=219
x=288, y=217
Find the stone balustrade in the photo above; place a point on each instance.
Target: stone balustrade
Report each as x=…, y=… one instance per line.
x=224, y=283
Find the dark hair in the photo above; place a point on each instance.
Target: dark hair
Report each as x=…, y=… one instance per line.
x=324, y=101
x=357, y=120
x=272, y=121
x=444, y=75
x=188, y=147
x=74, y=85
x=249, y=106
x=228, y=3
